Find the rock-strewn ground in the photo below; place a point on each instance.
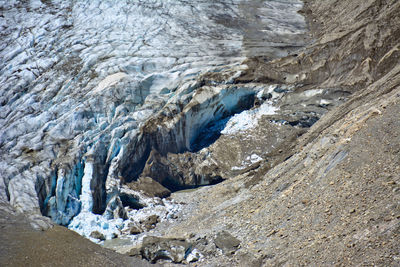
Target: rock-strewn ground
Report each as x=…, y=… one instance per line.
x=24, y=244
x=332, y=196
x=335, y=201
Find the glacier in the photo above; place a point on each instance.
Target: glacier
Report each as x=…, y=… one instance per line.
x=82, y=83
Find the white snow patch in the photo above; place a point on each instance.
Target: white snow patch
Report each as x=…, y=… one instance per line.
x=254, y=158
x=248, y=119
x=237, y=168
x=324, y=102
x=194, y=255
x=109, y=81
x=311, y=93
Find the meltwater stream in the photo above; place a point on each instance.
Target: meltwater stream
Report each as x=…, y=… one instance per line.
x=79, y=78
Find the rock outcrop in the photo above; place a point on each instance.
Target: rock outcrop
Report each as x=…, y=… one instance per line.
x=149, y=187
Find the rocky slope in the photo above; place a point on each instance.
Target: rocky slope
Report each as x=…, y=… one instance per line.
x=304, y=135
x=330, y=196
x=25, y=244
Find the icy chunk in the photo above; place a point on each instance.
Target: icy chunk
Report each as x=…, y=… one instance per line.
x=86, y=222
x=254, y=158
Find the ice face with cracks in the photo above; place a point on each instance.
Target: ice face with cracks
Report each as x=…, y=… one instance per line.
x=78, y=80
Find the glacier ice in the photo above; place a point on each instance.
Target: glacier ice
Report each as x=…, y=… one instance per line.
x=78, y=80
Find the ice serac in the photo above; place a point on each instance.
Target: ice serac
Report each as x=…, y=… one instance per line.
x=89, y=88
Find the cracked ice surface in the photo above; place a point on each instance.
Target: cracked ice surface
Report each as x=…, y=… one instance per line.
x=78, y=78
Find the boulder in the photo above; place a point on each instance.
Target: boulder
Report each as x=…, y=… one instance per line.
x=178, y=171
x=226, y=242
x=150, y=222
x=97, y=235
x=193, y=256
x=134, y=229
x=134, y=252
x=172, y=249
x=149, y=187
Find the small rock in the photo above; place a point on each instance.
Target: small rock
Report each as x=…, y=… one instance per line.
x=150, y=222
x=193, y=256
x=97, y=235
x=114, y=235
x=227, y=242
x=134, y=229
x=134, y=252
x=272, y=232
x=266, y=96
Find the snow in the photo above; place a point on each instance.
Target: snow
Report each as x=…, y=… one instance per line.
x=238, y=168
x=251, y=159
x=254, y=158
x=194, y=255
x=314, y=92
x=324, y=102
x=109, y=81
x=248, y=119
